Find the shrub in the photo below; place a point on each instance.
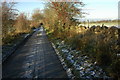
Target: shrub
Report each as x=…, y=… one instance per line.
x=115, y=69
x=75, y=42
x=22, y=24
x=103, y=59
x=10, y=38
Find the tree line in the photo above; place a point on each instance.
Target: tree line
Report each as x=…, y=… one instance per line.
x=54, y=16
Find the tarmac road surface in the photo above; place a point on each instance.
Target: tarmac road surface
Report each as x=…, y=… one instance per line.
x=35, y=59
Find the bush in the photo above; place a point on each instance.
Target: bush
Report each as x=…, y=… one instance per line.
x=115, y=69
x=103, y=59
x=7, y=39
x=10, y=39
x=75, y=42
x=22, y=24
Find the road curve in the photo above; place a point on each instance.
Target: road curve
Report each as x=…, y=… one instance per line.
x=35, y=59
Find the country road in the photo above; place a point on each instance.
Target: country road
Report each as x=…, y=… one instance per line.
x=34, y=59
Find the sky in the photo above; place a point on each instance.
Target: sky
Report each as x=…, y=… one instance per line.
x=95, y=9
x=101, y=9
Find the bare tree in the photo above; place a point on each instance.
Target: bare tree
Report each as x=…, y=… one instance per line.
x=8, y=17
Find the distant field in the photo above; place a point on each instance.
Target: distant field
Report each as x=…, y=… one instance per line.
x=100, y=23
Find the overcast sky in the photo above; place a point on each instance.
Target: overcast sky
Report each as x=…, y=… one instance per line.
x=96, y=9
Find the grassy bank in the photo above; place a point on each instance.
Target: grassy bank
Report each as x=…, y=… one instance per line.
x=98, y=43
